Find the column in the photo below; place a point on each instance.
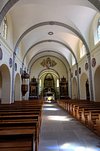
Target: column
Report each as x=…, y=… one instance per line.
x=90, y=77
x=78, y=84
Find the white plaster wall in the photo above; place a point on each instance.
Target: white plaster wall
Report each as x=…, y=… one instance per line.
x=17, y=87
x=74, y=88
x=6, y=80
x=95, y=54
x=7, y=53
x=83, y=80
x=97, y=84
x=9, y=40
x=93, y=32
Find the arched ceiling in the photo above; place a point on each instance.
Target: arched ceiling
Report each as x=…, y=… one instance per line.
x=49, y=53
x=69, y=20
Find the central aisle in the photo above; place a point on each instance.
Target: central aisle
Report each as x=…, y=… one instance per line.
x=61, y=132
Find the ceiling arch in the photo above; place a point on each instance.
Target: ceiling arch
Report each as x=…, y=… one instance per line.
x=49, y=40
x=60, y=64
x=52, y=23
x=11, y=3
x=56, y=55
x=50, y=71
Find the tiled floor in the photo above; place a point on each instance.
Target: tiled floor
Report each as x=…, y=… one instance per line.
x=61, y=132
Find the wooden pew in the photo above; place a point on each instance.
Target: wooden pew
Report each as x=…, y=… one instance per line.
x=19, y=125
x=20, y=120
x=85, y=113
x=12, y=129
x=91, y=118
x=97, y=126
x=14, y=140
x=81, y=109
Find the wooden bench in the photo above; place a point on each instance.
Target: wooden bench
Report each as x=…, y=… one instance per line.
x=14, y=140
x=91, y=118
x=81, y=109
x=85, y=113
x=21, y=120
x=97, y=126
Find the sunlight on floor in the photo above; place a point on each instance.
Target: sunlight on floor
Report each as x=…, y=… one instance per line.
x=77, y=147
x=48, y=105
x=50, y=109
x=72, y=147
x=59, y=118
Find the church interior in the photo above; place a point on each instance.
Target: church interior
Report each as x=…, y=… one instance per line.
x=49, y=75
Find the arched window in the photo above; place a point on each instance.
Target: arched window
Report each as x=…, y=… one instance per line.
x=82, y=51
x=98, y=30
x=5, y=28
x=57, y=83
x=73, y=60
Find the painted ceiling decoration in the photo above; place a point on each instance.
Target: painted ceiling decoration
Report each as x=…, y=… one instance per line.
x=54, y=54
x=48, y=62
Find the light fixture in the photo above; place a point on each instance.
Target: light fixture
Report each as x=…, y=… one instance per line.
x=50, y=33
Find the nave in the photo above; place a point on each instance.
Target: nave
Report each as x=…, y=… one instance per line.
x=61, y=132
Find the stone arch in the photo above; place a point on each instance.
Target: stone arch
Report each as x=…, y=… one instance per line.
x=97, y=84
x=49, y=40
x=17, y=87
x=84, y=87
x=74, y=88
x=52, y=23
x=5, y=81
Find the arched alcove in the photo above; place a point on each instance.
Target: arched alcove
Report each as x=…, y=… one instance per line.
x=5, y=80
x=97, y=84
x=74, y=88
x=84, y=87
x=17, y=87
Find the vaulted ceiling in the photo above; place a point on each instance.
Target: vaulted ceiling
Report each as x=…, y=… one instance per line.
x=46, y=26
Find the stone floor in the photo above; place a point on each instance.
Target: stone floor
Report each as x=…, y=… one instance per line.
x=61, y=132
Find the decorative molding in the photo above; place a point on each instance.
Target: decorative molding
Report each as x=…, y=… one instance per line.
x=93, y=62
